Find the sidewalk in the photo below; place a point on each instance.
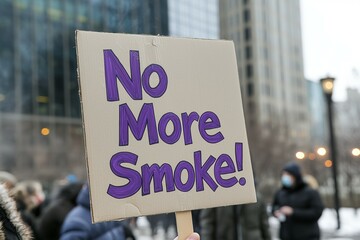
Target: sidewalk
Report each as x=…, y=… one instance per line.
x=338, y=236
x=350, y=224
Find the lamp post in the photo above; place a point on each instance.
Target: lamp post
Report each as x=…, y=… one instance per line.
x=328, y=86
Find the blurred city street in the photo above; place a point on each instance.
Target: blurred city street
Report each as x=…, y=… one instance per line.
x=183, y=105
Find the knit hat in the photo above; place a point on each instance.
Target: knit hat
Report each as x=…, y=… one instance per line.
x=294, y=170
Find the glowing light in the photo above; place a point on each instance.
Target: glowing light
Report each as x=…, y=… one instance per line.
x=312, y=156
x=328, y=163
x=321, y=151
x=355, y=152
x=45, y=131
x=329, y=86
x=300, y=155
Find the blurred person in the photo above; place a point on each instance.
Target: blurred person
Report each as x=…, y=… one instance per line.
x=53, y=216
x=77, y=224
x=11, y=224
x=240, y=222
x=28, y=196
x=72, y=178
x=195, y=214
x=297, y=206
x=254, y=220
x=155, y=222
x=161, y=220
x=8, y=180
x=59, y=184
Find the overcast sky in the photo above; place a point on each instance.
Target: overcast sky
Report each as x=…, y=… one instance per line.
x=331, y=42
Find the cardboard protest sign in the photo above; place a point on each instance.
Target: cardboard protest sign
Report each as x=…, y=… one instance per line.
x=164, y=125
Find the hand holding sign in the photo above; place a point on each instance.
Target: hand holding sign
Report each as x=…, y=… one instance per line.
x=163, y=122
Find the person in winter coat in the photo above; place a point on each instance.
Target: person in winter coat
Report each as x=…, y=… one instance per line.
x=28, y=196
x=54, y=214
x=297, y=206
x=77, y=224
x=11, y=225
x=240, y=222
x=254, y=220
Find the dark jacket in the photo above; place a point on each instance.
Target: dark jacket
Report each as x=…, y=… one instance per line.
x=78, y=224
x=55, y=213
x=307, y=206
x=241, y=222
x=220, y=223
x=11, y=225
x=254, y=221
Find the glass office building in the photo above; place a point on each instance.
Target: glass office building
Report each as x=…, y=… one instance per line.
x=40, y=119
x=267, y=37
x=195, y=19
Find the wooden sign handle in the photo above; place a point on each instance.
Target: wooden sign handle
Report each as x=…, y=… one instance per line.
x=184, y=224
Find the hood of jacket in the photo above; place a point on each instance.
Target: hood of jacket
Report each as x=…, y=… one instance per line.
x=8, y=205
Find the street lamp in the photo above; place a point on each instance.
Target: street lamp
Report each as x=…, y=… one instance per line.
x=328, y=87
x=321, y=151
x=355, y=152
x=300, y=155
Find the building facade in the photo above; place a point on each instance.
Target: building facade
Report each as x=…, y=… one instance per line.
x=268, y=43
x=194, y=19
x=267, y=37
x=40, y=119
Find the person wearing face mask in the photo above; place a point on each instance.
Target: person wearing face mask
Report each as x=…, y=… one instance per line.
x=297, y=206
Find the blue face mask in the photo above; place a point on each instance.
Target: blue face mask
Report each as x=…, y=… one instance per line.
x=286, y=181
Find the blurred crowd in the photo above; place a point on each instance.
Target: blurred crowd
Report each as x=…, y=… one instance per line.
x=63, y=212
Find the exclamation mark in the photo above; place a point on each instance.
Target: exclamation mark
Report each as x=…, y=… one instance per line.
x=239, y=161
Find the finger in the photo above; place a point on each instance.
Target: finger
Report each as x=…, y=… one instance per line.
x=193, y=236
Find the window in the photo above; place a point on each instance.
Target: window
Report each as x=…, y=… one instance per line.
x=250, y=89
x=246, y=15
x=26, y=57
x=7, y=63
x=247, y=34
x=249, y=71
x=248, y=52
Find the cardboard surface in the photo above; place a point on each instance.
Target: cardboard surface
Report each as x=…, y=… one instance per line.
x=164, y=125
